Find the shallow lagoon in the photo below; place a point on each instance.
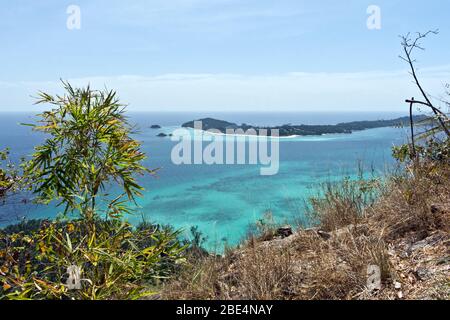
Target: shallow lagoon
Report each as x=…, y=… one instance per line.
x=224, y=199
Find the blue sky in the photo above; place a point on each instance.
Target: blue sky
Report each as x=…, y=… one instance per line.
x=216, y=55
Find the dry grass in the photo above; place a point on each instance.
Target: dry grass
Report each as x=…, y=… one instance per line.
x=418, y=201
x=254, y=274
x=404, y=232
x=343, y=203
x=336, y=269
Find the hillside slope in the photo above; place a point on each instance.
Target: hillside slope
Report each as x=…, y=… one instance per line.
x=405, y=232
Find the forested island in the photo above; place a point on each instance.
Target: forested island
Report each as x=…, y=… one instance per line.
x=303, y=129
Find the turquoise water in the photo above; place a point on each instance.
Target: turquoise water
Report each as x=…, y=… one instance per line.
x=224, y=199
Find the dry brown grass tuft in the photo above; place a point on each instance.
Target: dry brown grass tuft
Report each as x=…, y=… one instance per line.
x=254, y=274
x=337, y=268
x=418, y=201
x=343, y=203
x=259, y=274
x=198, y=281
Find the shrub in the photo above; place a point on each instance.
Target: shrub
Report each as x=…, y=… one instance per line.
x=89, y=149
x=264, y=228
x=340, y=204
x=115, y=261
x=10, y=176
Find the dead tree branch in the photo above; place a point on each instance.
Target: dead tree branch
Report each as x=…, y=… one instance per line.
x=409, y=45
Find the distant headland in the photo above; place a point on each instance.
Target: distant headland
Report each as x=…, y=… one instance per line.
x=303, y=129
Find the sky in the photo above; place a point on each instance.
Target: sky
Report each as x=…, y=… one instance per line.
x=222, y=55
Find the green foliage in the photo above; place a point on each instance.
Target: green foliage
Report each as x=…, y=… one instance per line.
x=116, y=261
x=10, y=177
x=198, y=239
x=89, y=148
x=431, y=150
x=402, y=153
x=195, y=245
x=264, y=228
x=342, y=203
x=5, y=179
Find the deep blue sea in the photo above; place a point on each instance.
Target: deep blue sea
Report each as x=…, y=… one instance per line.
x=224, y=199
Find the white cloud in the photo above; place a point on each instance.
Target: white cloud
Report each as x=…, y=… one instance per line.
x=295, y=91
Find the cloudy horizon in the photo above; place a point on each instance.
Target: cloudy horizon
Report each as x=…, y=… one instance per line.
x=222, y=55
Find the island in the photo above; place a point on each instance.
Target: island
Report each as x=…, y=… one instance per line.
x=163, y=135
x=303, y=129
x=155, y=126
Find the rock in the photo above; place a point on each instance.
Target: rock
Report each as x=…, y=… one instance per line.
x=397, y=285
x=155, y=296
x=155, y=126
x=400, y=295
x=430, y=241
x=308, y=230
x=324, y=235
x=437, y=209
x=441, y=214
x=418, y=245
x=444, y=260
x=404, y=254
x=284, y=232
x=412, y=278
x=422, y=273
x=162, y=135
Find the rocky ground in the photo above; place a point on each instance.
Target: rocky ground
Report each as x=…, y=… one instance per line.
x=419, y=264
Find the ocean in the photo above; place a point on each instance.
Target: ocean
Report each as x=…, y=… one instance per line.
x=224, y=200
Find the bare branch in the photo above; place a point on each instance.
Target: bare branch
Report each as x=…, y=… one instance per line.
x=409, y=45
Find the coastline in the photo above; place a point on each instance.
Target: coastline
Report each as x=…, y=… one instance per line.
x=289, y=131
x=246, y=135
